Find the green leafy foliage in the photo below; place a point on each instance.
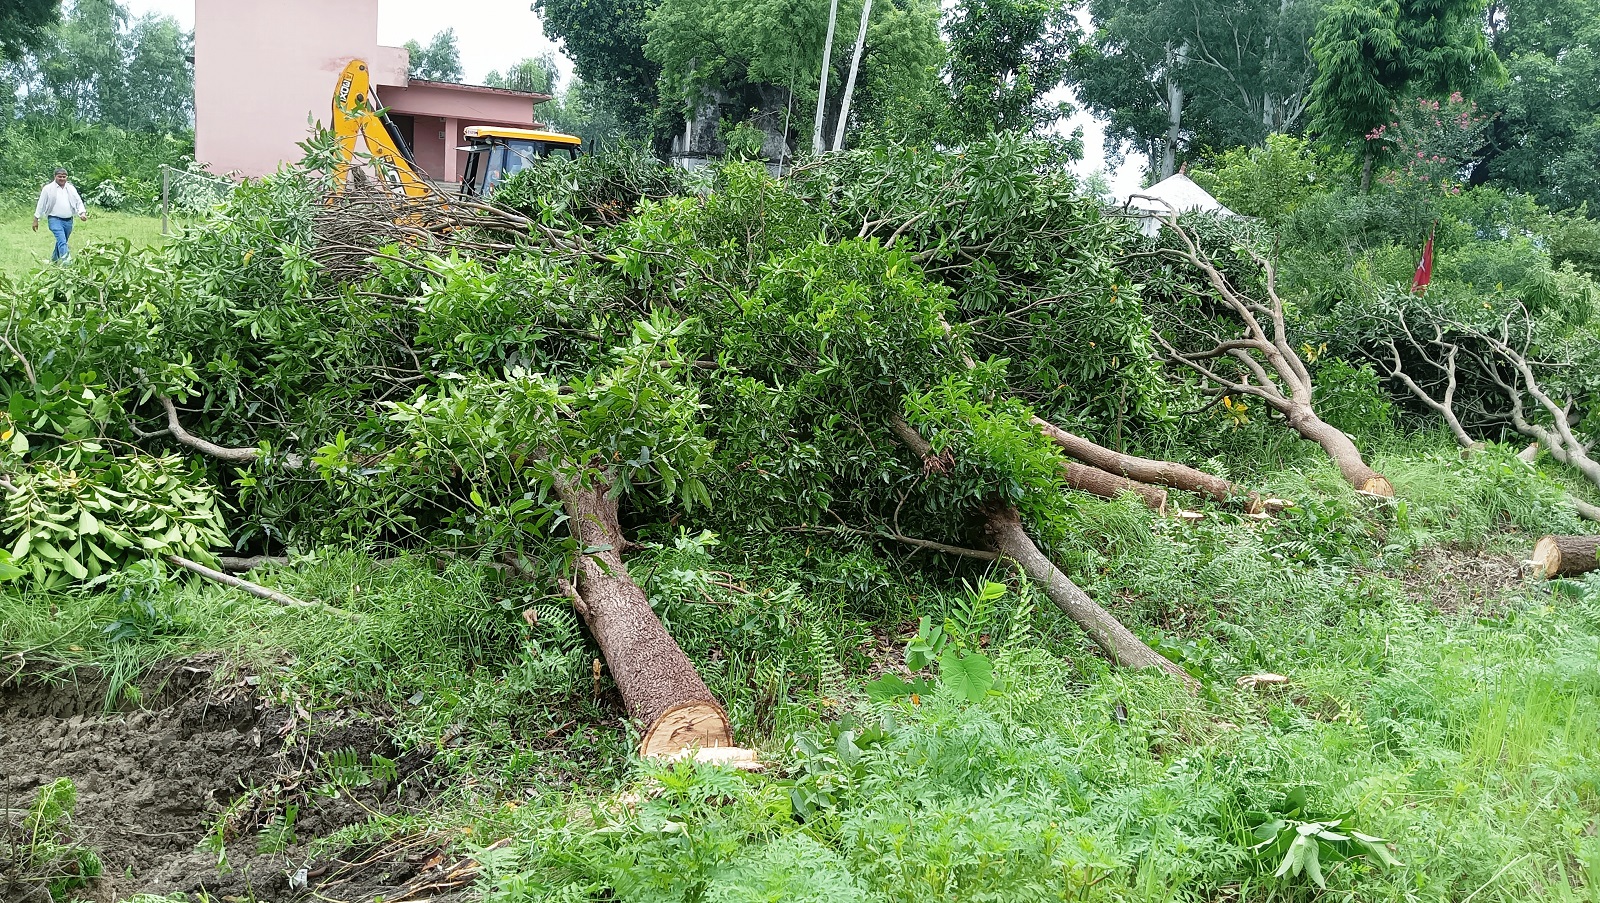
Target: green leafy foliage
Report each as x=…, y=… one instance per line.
x=87, y=515
x=1304, y=846
x=1005, y=57
x=44, y=853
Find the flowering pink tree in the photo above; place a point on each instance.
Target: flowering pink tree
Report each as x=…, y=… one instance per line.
x=1431, y=143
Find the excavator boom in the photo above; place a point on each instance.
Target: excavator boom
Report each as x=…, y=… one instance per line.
x=357, y=115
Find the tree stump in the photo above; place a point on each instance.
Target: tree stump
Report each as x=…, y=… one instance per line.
x=1565, y=556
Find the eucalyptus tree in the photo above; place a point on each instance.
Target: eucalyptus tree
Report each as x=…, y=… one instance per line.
x=1172, y=74
x=767, y=60
x=538, y=75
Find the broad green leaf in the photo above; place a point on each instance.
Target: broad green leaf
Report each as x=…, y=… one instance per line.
x=8, y=570
x=71, y=566
x=889, y=686
x=969, y=676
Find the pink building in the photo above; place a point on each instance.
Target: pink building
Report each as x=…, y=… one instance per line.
x=263, y=70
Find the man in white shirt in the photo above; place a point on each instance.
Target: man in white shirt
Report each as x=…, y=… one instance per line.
x=59, y=202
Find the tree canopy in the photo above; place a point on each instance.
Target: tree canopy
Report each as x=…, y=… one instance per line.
x=439, y=61
x=23, y=24
x=1372, y=54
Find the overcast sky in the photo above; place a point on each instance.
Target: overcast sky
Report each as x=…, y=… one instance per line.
x=494, y=34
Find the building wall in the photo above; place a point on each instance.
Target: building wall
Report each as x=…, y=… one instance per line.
x=263, y=69
x=429, y=147
x=260, y=69
x=447, y=110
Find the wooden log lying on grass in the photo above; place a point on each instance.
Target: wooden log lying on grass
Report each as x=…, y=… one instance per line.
x=1150, y=471
x=1010, y=541
x=254, y=589
x=1095, y=481
x=1003, y=524
x=1565, y=556
x=661, y=689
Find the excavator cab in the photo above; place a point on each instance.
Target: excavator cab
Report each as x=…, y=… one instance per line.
x=496, y=154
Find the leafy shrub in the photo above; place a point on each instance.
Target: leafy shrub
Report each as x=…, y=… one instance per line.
x=1270, y=181
x=1352, y=398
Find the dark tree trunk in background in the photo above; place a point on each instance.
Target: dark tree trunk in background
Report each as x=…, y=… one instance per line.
x=661, y=689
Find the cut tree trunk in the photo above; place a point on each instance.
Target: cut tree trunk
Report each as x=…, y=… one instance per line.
x=1095, y=481
x=661, y=689
x=1003, y=525
x=1565, y=556
x=1341, y=448
x=1147, y=470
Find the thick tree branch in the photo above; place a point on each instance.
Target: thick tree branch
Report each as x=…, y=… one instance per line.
x=210, y=449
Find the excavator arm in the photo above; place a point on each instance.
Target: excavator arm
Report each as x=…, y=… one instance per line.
x=356, y=115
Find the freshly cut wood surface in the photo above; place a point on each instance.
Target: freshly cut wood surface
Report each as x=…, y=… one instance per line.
x=1565, y=556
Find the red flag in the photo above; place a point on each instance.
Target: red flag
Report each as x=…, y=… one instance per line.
x=1424, y=275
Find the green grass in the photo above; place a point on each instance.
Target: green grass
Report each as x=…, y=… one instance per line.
x=22, y=250
x=1465, y=737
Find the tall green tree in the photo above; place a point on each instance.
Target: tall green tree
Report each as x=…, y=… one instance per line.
x=1169, y=74
x=1544, y=134
x=1372, y=53
x=80, y=73
x=98, y=67
x=763, y=60
x=538, y=75
x=24, y=25
x=440, y=61
x=1005, y=57
x=605, y=40
x=158, y=85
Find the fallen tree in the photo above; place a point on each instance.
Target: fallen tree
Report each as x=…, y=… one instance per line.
x=1095, y=481
x=1002, y=527
x=1161, y=473
x=511, y=439
x=1026, y=259
x=1246, y=350
x=1481, y=374
x=660, y=687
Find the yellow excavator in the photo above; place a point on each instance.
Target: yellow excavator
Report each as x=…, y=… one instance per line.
x=493, y=154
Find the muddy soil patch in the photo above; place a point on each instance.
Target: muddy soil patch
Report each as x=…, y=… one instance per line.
x=208, y=767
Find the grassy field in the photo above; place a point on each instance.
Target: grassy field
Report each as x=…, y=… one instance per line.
x=1435, y=699
x=22, y=250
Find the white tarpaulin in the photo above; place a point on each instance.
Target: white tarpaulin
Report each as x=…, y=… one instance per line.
x=1174, y=195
